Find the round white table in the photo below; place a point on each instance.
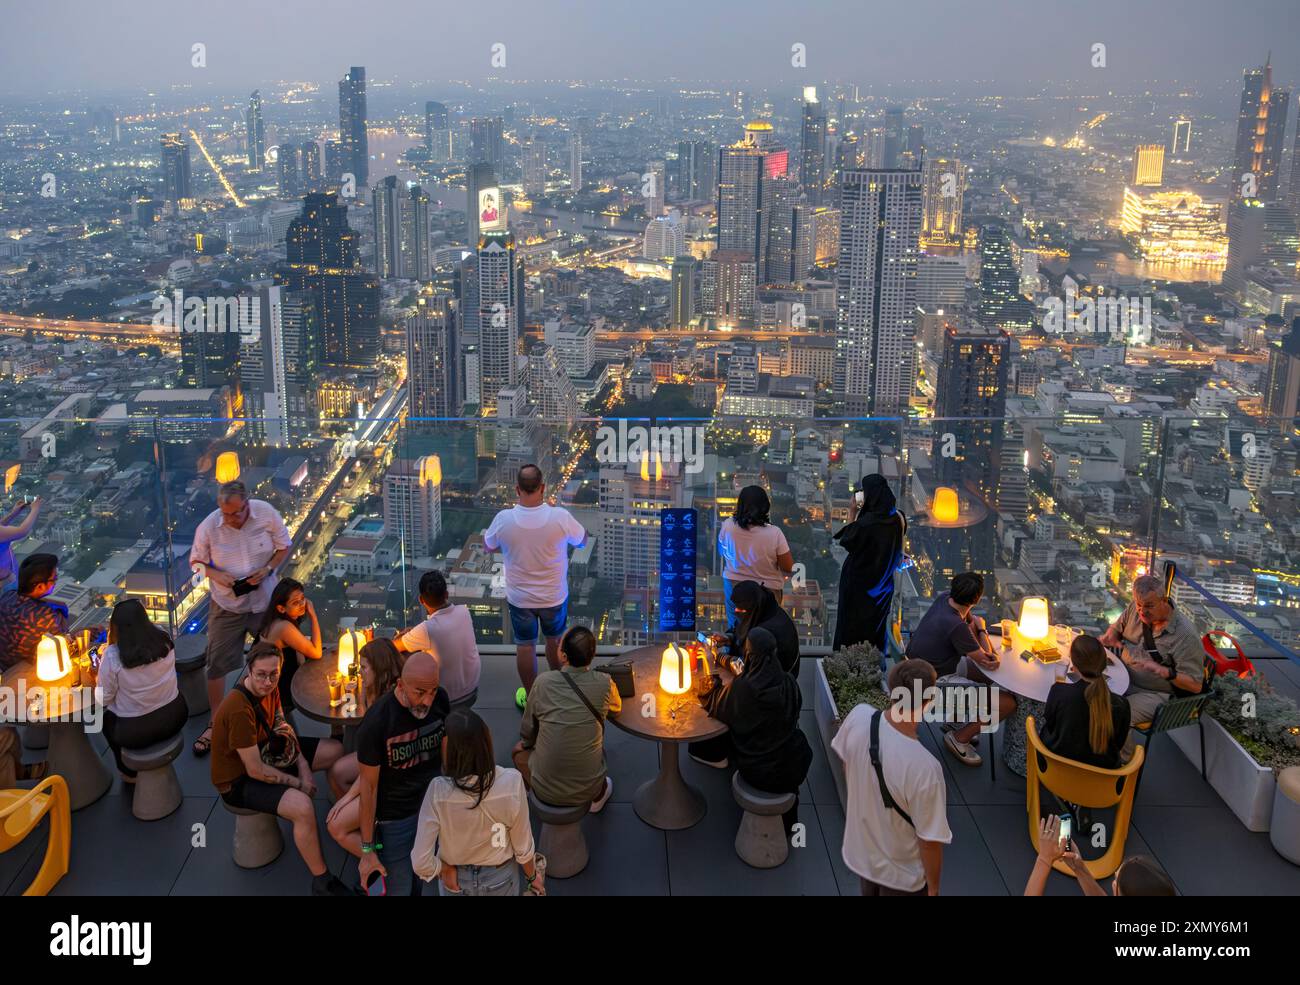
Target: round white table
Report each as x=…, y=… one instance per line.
x=1032, y=680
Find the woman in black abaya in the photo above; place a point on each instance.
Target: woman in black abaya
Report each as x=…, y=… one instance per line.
x=874, y=539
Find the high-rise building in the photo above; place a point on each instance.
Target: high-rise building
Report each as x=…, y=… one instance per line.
x=1295, y=176
x=336, y=161
x=1282, y=381
x=803, y=248
x=486, y=143
x=1261, y=235
x=780, y=196
x=534, y=165
x=551, y=390
x=478, y=177
x=940, y=282
x=880, y=228
x=288, y=170
x=278, y=369
x=682, y=292
x=1261, y=130
x=401, y=230
x=632, y=498
x=1182, y=140
x=413, y=504
x=1148, y=165
x=746, y=169
x=665, y=237
x=575, y=159
x=892, y=155
x=913, y=154
x=437, y=132
x=945, y=189
x=971, y=399
x=323, y=257
x=1001, y=303
x=812, y=149
x=313, y=179
x=499, y=287
x=728, y=282
x=210, y=353
x=352, y=125
x=433, y=373
x=697, y=169
x=416, y=255
x=654, y=188
x=255, y=132
x=175, y=170
x=1175, y=227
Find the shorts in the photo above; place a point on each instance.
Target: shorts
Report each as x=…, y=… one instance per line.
x=258, y=795
x=226, y=633
x=523, y=622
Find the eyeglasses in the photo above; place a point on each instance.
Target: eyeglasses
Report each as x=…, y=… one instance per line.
x=270, y=678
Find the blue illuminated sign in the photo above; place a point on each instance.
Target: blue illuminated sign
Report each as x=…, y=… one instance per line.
x=677, y=535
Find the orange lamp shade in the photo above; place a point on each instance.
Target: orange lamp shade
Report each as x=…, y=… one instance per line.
x=350, y=643
x=53, y=658
x=945, y=508
x=227, y=467
x=1034, y=623
x=675, y=671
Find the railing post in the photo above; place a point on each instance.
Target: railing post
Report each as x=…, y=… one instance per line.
x=1158, y=498
x=168, y=555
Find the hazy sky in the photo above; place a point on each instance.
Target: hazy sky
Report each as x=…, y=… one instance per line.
x=117, y=44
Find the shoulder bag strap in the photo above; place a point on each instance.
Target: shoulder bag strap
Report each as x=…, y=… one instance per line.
x=889, y=801
x=590, y=707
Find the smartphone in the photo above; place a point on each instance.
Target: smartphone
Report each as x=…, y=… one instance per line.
x=375, y=886
x=1065, y=831
x=860, y=498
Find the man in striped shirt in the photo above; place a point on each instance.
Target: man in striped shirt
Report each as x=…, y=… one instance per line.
x=238, y=547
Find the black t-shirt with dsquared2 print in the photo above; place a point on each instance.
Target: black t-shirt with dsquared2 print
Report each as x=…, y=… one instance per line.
x=407, y=750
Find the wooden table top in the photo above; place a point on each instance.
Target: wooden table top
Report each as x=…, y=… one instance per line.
x=74, y=701
x=311, y=693
x=677, y=717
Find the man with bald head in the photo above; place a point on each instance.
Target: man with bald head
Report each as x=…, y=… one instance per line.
x=399, y=751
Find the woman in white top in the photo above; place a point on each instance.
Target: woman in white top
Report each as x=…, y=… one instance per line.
x=752, y=548
x=473, y=830
x=137, y=675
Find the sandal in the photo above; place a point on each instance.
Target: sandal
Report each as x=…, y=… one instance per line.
x=203, y=744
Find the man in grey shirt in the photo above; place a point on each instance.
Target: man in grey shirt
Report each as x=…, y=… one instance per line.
x=1174, y=659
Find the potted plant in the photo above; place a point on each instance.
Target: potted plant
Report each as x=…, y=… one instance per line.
x=848, y=677
x=1251, y=732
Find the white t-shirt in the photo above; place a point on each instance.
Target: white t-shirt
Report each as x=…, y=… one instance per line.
x=130, y=692
x=878, y=844
x=750, y=555
x=449, y=635
x=535, y=541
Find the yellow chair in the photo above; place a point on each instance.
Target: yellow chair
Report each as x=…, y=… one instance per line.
x=21, y=811
x=1087, y=786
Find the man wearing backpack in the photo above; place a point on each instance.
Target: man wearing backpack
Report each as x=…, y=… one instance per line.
x=896, y=822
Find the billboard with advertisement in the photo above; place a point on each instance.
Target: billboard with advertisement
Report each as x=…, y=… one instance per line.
x=491, y=210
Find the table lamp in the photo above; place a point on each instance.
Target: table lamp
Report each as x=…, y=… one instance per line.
x=53, y=659
x=1034, y=618
x=350, y=643
x=227, y=467
x=675, y=670
x=945, y=508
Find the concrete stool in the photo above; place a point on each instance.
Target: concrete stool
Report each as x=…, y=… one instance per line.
x=36, y=735
x=258, y=841
x=1284, y=832
x=562, y=841
x=761, y=839
x=157, y=789
x=191, y=671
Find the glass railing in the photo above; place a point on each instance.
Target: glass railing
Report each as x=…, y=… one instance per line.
x=1070, y=506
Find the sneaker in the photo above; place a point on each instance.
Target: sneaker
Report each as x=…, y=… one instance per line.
x=521, y=697
x=717, y=764
x=954, y=726
x=599, y=803
x=331, y=886
x=964, y=751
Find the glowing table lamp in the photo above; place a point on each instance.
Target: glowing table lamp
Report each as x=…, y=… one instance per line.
x=675, y=671
x=350, y=643
x=53, y=659
x=1034, y=618
x=945, y=508
x=227, y=467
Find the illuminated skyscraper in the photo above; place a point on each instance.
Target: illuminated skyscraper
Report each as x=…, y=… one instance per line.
x=812, y=150
x=1175, y=227
x=880, y=228
x=534, y=165
x=697, y=170
x=288, y=170
x=1001, y=303
x=945, y=188
x=892, y=154
x=401, y=230
x=1282, y=381
x=255, y=132
x=1182, y=142
x=385, y=201
x=575, y=159
x=727, y=288
x=176, y=168
x=1261, y=130
x=352, y=124
x=971, y=394
x=433, y=374
x=654, y=182
x=413, y=503
x=312, y=177
x=278, y=369
x=478, y=177
x=499, y=287
x=486, y=143
x=1261, y=235
x=682, y=292
x=1148, y=165
x=437, y=132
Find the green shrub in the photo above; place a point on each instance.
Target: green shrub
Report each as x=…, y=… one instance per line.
x=855, y=677
x=1270, y=731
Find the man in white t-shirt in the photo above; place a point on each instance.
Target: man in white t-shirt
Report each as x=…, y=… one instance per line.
x=447, y=633
x=535, y=538
x=894, y=838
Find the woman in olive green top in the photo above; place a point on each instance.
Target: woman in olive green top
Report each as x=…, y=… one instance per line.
x=562, y=752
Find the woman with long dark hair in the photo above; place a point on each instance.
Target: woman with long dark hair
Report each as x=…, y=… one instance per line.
x=752, y=548
x=873, y=538
x=466, y=812
x=137, y=674
x=284, y=615
x=1086, y=721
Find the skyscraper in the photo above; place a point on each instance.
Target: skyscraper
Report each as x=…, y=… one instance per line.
x=386, y=201
x=437, y=132
x=575, y=159
x=740, y=177
x=892, y=154
x=478, y=177
x=1261, y=129
x=727, y=288
x=682, y=292
x=1001, y=303
x=352, y=124
x=323, y=257
x=210, y=354
x=413, y=504
x=971, y=397
x=175, y=169
x=433, y=374
x=417, y=258
x=534, y=165
x=255, y=132
x=1148, y=165
x=945, y=188
x=1261, y=235
x=780, y=196
x=288, y=170
x=1282, y=381
x=1182, y=142
x=880, y=228
x=312, y=176
x=654, y=184
x=486, y=144
x=278, y=369
x=812, y=149
x=498, y=285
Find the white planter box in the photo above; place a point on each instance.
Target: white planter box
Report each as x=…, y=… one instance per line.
x=828, y=723
x=1244, y=785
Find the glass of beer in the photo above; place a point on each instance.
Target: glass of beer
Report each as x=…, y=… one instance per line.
x=335, y=682
x=1008, y=626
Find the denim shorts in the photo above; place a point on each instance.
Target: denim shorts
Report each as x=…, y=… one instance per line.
x=486, y=880
x=523, y=622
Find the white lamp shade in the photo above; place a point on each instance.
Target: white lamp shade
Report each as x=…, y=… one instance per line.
x=53, y=658
x=1034, y=619
x=350, y=643
x=675, y=671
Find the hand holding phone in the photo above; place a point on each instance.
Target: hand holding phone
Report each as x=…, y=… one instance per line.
x=375, y=885
x=1065, y=832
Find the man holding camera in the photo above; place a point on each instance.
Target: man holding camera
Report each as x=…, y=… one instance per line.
x=238, y=546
